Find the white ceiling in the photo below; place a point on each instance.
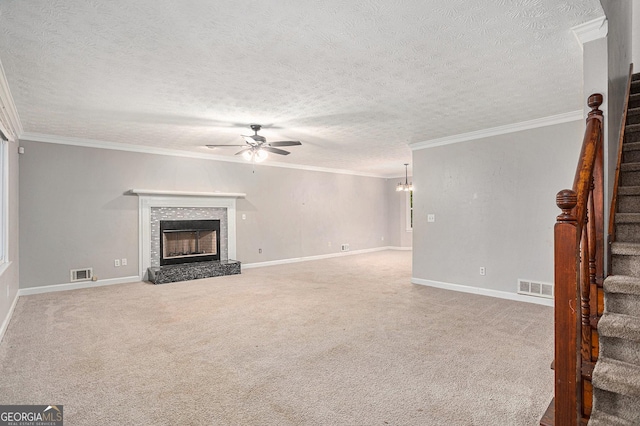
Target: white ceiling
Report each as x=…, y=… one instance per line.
x=356, y=82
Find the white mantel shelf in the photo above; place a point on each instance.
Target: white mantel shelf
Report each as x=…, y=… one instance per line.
x=167, y=193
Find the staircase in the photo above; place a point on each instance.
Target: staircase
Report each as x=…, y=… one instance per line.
x=616, y=376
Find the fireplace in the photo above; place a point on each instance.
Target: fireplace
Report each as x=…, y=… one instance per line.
x=156, y=206
x=187, y=241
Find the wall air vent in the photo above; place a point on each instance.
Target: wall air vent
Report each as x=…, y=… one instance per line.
x=85, y=274
x=534, y=288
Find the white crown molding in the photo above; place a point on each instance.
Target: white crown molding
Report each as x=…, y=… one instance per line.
x=74, y=286
x=500, y=130
x=9, y=106
x=93, y=143
x=591, y=30
x=483, y=292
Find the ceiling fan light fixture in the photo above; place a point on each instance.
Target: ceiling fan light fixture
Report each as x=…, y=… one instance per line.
x=248, y=155
x=257, y=149
x=260, y=155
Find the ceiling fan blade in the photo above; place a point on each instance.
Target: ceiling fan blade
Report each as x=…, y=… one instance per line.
x=217, y=146
x=285, y=143
x=275, y=150
x=249, y=139
x=254, y=139
x=242, y=151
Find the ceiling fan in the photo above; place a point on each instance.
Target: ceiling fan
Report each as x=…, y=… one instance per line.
x=256, y=147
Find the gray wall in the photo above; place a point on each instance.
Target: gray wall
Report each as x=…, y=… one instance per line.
x=618, y=14
x=494, y=202
x=10, y=278
x=74, y=213
x=635, y=36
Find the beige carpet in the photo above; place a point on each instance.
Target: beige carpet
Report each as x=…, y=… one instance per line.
x=343, y=341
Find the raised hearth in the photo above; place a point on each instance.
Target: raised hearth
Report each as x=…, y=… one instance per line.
x=193, y=271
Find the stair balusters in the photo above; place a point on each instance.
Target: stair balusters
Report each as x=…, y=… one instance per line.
x=579, y=260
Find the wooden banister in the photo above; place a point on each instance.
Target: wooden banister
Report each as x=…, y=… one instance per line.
x=623, y=122
x=579, y=261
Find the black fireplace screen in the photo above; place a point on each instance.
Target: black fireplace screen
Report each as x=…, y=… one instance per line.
x=185, y=241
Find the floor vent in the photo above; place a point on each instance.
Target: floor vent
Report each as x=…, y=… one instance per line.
x=533, y=288
x=344, y=247
x=84, y=274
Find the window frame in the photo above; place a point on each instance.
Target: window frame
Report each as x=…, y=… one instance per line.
x=409, y=211
x=5, y=141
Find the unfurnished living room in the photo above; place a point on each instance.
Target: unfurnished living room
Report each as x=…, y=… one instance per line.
x=319, y=213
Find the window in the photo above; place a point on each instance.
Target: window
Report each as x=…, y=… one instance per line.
x=4, y=199
x=409, y=211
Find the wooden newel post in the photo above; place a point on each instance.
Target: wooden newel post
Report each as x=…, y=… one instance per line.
x=594, y=103
x=566, y=200
x=566, y=310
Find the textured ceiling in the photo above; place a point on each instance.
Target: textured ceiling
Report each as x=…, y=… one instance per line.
x=356, y=82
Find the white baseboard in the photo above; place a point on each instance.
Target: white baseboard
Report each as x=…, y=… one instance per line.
x=318, y=257
x=484, y=292
x=399, y=248
x=75, y=286
x=5, y=322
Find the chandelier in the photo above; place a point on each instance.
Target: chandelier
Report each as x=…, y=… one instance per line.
x=406, y=186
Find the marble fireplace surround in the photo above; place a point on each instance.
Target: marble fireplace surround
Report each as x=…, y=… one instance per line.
x=149, y=198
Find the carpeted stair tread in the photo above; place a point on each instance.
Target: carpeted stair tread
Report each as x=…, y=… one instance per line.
x=630, y=167
x=631, y=134
x=622, y=284
x=627, y=217
x=625, y=249
x=620, y=326
x=617, y=377
x=600, y=418
x=633, y=114
x=629, y=190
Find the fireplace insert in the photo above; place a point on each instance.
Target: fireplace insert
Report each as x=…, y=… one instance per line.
x=186, y=241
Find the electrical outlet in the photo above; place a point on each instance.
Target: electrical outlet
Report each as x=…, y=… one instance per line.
x=483, y=271
x=244, y=216
x=431, y=218
x=116, y=263
x=259, y=251
x=123, y=262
